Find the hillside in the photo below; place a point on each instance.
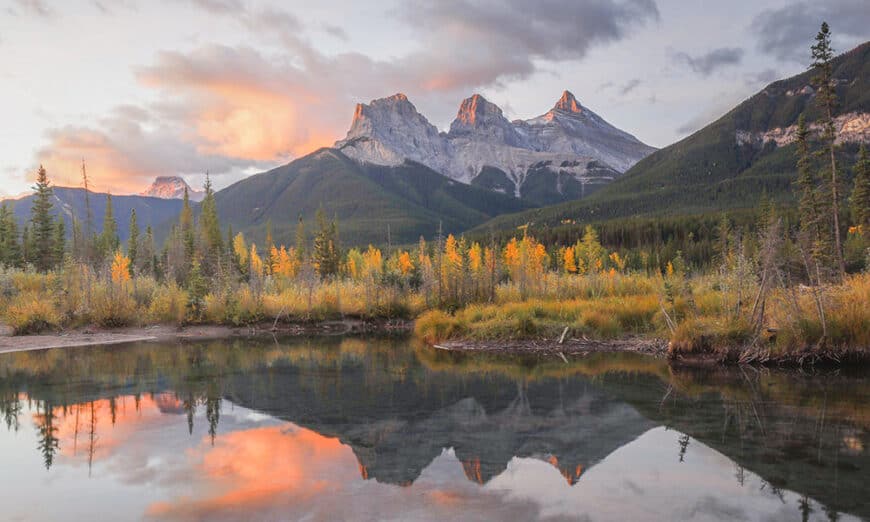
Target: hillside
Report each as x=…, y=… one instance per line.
x=70, y=202
x=410, y=199
x=731, y=162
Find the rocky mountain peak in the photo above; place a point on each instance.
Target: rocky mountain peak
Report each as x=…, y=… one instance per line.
x=476, y=110
x=568, y=103
x=172, y=187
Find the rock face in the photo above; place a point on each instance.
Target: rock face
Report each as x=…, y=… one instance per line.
x=172, y=187
x=560, y=155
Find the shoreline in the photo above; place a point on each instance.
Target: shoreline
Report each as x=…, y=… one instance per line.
x=85, y=337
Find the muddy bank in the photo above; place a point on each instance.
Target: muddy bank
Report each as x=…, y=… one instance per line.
x=167, y=333
x=574, y=347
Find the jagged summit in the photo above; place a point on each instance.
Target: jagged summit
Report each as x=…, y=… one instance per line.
x=172, y=187
x=568, y=145
x=568, y=103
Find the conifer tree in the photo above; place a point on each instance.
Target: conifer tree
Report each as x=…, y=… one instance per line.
x=860, y=199
x=42, y=224
x=326, y=253
x=133, y=243
x=186, y=230
x=826, y=98
x=109, y=241
x=148, y=253
x=10, y=246
x=210, y=230
x=814, y=234
x=59, y=249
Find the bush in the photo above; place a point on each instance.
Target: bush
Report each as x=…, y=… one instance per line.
x=30, y=313
x=112, y=306
x=169, y=305
x=435, y=326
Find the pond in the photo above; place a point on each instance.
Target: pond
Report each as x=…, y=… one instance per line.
x=386, y=429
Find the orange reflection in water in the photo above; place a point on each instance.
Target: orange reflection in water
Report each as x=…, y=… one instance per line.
x=95, y=429
x=264, y=466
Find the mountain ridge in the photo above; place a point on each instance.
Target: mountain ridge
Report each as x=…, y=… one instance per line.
x=732, y=161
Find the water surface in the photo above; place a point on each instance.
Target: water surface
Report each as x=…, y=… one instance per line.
x=380, y=429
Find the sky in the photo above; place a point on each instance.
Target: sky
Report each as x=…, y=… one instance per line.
x=143, y=88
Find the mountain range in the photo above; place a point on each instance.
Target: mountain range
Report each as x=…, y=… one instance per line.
x=564, y=154
x=70, y=202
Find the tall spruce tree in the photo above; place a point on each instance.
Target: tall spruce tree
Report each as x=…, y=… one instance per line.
x=133, y=243
x=109, y=240
x=42, y=224
x=326, y=252
x=814, y=235
x=210, y=230
x=826, y=99
x=860, y=198
x=10, y=246
x=59, y=249
x=186, y=230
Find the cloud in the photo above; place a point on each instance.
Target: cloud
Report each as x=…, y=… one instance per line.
x=502, y=40
x=126, y=150
x=708, y=63
x=629, y=86
x=35, y=8
x=231, y=108
x=787, y=32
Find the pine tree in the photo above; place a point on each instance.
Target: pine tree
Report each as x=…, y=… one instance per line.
x=326, y=254
x=860, y=199
x=210, y=229
x=42, y=223
x=186, y=228
x=148, y=253
x=133, y=243
x=814, y=234
x=109, y=241
x=10, y=246
x=826, y=98
x=59, y=249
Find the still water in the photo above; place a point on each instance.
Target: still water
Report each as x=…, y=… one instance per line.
x=383, y=429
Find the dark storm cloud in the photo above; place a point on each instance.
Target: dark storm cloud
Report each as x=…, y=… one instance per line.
x=706, y=64
x=788, y=32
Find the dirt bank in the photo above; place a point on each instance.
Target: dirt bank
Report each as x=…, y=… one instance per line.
x=656, y=347
x=168, y=333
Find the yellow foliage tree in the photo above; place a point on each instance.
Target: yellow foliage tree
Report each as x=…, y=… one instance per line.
x=569, y=260
x=240, y=249
x=120, y=268
x=405, y=263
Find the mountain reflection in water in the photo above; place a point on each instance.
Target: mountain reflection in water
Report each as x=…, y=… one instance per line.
x=337, y=429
